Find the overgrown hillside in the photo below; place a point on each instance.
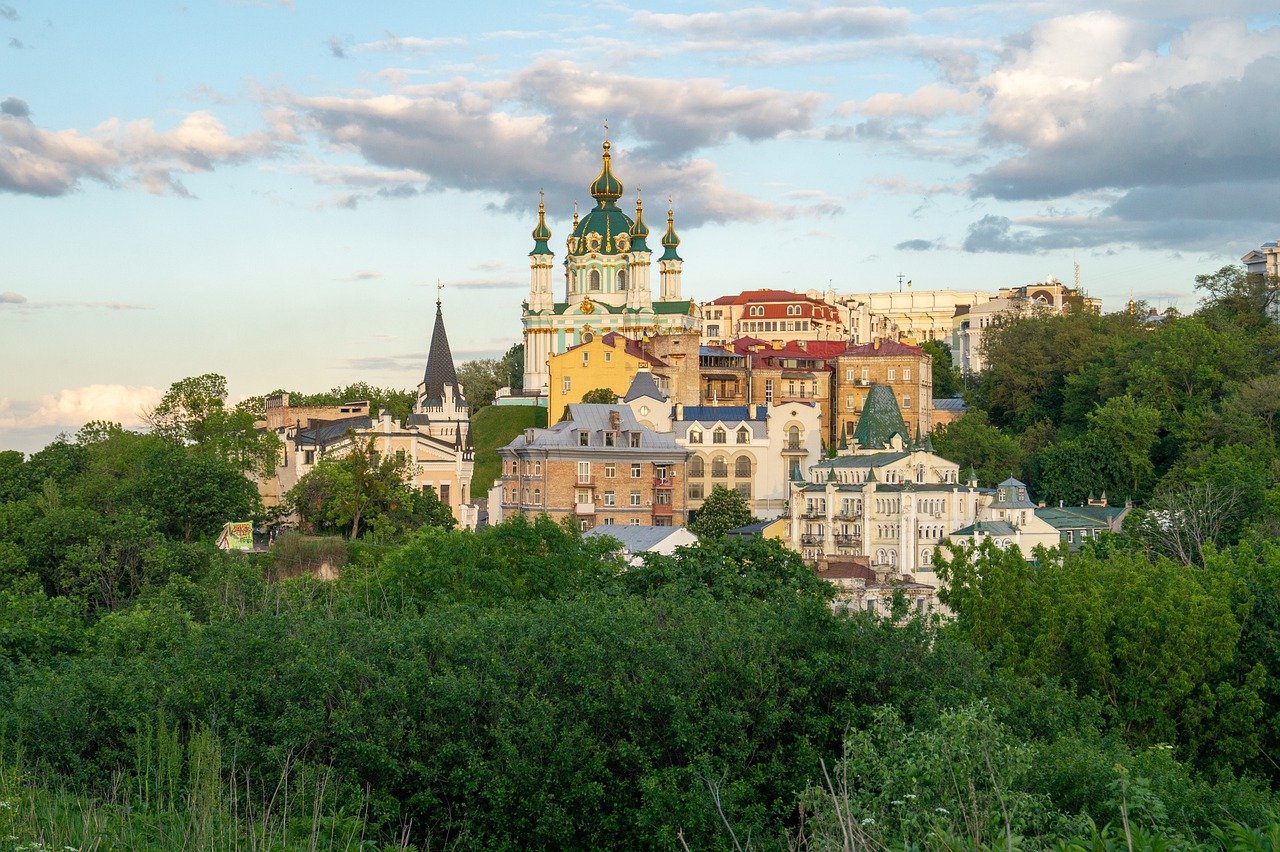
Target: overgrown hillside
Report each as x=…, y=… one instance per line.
x=494, y=426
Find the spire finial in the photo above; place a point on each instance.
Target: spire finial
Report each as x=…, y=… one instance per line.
x=439, y=291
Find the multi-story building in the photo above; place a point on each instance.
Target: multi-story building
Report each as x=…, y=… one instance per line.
x=1053, y=295
x=608, y=286
x=915, y=315
x=889, y=505
x=756, y=372
x=772, y=315
x=906, y=371
x=1264, y=261
x=599, y=466
x=435, y=439
x=753, y=450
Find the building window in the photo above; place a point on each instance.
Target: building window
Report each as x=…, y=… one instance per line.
x=893, y=374
x=444, y=493
x=906, y=402
x=537, y=496
x=635, y=471
x=744, y=435
x=309, y=457
x=584, y=525
x=906, y=374
x=662, y=498
x=610, y=439
x=635, y=522
x=610, y=470
x=584, y=439
x=537, y=468
x=851, y=404
x=742, y=467
x=564, y=385
x=719, y=468
x=586, y=356
x=582, y=497
x=635, y=498
x=622, y=279
x=635, y=440
x=848, y=375
x=695, y=490
x=866, y=374
x=719, y=436
x=609, y=499
x=584, y=471
x=695, y=436
x=743, y=489
x=695, y=467
x=608, y=356
x=594, y=279
x=768, y=391
x=608, y=522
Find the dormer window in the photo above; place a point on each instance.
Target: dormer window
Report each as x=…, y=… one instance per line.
x=584, y=439
x=635, y=439
x=744, y=435
x=610, y=439
x=719, y=436
x=695, y=436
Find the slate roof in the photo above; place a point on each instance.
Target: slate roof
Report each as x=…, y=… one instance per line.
x=594, y=418
x=951, y=403
x=886, y=348
x=644, y=385
x=722, y=413
x=871, y=460
x=1080, y=517
x=881, y=419
x=987, y=528
x=440, y=371
x=1012, y=488
x=327, y=431
x=635, y=539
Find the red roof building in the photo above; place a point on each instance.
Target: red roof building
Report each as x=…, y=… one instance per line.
x=771, y=315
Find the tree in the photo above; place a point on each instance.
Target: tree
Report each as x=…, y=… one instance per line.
x=600, y=396
x=193, y=411
x=1131, y=430
x=480, y=379
x=721, y=511
x=343, y=494
x=971, y=441
x=946, y=376
x=398, y=402
x=1237, y=297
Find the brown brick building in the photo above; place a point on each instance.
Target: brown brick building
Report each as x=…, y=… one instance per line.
x=598, y=466
x=907, y=370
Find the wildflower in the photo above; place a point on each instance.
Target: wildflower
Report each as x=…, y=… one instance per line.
x=942, y=811
x=868, y=821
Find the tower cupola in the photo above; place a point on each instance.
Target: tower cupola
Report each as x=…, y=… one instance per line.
x=670, y=240
x=639, y=230
x=606, y=187
x=541, y=233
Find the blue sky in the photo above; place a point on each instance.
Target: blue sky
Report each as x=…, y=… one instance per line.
x=271, y=190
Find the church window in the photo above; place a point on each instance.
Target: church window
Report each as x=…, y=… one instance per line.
x=622, y=279
x=793, y=438
x=742, y=467
x=594, y=279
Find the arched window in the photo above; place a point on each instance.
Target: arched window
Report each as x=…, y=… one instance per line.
x=926, y=557
x=622, y=279
x=695, y=467
x=594, y=280
x=744, y=435
x=793, y=438
x=742, y=467
x=719, y=467
x=537, y=496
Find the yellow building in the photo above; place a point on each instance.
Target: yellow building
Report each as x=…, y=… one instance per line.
x=602, y=361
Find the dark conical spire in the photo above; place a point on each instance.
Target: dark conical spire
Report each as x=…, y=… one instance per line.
x=440, y=371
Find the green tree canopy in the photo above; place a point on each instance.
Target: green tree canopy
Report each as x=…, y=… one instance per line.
x=721, y=511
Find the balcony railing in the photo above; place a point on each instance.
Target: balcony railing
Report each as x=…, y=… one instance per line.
x=794, y=447
x=813, y=513
x=669, y=482
x=662, y=510
x=847, y=541
x=584, y=509
x=849, y=515
x=810, y=539
x=586, y=481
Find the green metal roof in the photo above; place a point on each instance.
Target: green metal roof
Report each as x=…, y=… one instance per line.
x=881, y=419
x=670, y=240
x=541, y=233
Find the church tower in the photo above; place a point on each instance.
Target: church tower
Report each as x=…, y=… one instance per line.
x=441, y=410
x=607, y=280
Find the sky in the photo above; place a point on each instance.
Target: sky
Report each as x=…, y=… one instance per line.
x=271, y=191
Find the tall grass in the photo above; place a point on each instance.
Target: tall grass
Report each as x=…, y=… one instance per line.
x=182, y=792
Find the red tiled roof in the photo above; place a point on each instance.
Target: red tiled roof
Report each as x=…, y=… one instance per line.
x=886, y=348
x=747, y=296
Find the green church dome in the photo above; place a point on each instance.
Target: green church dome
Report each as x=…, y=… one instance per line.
x=541, y=233
x=670, y=240
x=606, y=229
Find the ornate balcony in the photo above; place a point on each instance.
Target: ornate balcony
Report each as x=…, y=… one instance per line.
x=811, y=539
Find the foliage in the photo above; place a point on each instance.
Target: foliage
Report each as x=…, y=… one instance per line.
x=193, y=411
x=600, y=396
x=971, y=441
x=722, y=510
x=946, y=376
x=362, y=487
x=398, y=402
x=482, y=378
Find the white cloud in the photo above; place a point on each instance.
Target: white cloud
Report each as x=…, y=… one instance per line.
x=36, y=161
x=829, y=21
x=928, y=102
x=73, y=407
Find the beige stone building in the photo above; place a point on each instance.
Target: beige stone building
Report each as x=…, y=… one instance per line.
x=599, y=467
x=904, y=369
x=915, y=315
x=435, y=439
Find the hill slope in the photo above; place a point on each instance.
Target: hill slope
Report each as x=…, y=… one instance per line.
x=494, y=426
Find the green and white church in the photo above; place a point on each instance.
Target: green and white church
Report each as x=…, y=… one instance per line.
x=607, y=281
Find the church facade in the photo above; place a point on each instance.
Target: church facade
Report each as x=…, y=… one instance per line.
x=608, y=281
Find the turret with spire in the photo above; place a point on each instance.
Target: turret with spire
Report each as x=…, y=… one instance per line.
x=441, y=409
x=670, y=262
x=639, y=288
x=540, y=261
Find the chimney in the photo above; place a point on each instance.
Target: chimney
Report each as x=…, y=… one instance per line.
x=615, y=420
x=876, y=344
